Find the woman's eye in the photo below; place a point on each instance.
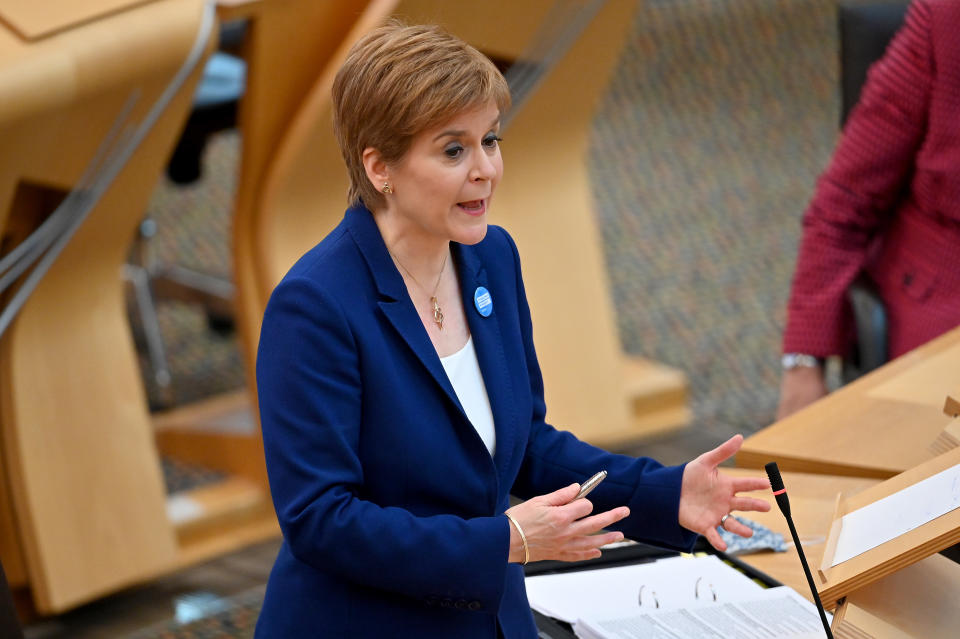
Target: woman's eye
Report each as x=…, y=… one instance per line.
x=453, y=151
x=491, y=141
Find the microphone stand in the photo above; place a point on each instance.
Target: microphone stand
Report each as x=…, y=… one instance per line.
x=776, y=483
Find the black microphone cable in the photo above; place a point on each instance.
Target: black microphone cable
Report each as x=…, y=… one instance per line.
x=776, y=483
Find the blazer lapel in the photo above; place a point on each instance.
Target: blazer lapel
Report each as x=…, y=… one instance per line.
x=490, y=353
x=395, y=301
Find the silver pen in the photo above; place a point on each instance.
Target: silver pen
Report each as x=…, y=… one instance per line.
x=590, y=484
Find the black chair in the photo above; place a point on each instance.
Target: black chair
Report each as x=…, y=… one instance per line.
x=215, y=107
x=865, y=31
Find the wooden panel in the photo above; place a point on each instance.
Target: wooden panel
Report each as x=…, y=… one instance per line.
x=280, y=31
x=546, y=202
x=224, y=452
x=34, y=20
x=860, y=431
x=199, y=547
x=11, y=549
x=217, y=507
x=853, y=622
x=919, y=601
x=82, y=464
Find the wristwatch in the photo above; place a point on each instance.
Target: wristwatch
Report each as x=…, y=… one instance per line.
x=790, y=361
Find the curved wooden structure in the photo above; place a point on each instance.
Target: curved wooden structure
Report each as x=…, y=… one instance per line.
x=544, y=201
x=879, y=425
x=81, y=497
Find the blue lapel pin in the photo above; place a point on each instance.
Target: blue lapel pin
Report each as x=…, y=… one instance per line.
x=483, y=301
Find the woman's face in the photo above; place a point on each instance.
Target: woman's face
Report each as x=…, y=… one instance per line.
x=443, y=185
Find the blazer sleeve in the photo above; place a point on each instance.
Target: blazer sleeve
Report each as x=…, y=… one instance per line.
x=310, y=385
x=860, y=189
x=554, y=459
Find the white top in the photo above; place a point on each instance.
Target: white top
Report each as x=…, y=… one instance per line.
x=463, y=371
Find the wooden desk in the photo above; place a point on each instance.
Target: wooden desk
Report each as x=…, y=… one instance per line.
x=878, y=426
x=919, y=600
x=83, y=504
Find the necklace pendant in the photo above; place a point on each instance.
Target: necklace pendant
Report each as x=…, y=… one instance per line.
x=437, y=313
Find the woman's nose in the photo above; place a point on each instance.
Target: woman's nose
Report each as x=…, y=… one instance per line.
x=484, y=168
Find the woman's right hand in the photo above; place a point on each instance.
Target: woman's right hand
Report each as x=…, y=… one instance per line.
x=557, y=527
x=799, y=388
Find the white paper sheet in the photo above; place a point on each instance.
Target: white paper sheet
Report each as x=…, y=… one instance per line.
x=777, y=612
x=615, y=591
x=896, y=514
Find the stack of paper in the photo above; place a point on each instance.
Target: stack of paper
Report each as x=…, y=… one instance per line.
x=777, y=612
x=681, y=597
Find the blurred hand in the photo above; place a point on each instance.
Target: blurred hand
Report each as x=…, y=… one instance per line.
x=800, y=387
x=706, y=495
x=557, y=527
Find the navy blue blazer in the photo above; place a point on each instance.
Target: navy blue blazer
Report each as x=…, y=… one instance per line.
x=391, y=506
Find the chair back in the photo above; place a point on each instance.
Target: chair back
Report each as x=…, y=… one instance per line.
x=865, y=32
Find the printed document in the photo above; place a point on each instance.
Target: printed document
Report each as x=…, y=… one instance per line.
x=674, y=582
x=777, y=612
x=896, y=514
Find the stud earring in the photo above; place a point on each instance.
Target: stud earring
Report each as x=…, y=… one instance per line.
x=387, y=188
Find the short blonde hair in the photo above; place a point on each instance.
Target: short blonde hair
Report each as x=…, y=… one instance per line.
x=399, y=81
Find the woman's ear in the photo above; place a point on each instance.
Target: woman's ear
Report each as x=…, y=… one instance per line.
x=377, y=170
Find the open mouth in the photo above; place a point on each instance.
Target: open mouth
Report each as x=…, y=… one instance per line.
x=474, y=207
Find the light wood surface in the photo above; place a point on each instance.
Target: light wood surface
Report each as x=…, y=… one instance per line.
x=80, y=460
x=219, y=433
x=918, y=600
x=878, y=426
x=836, y=582
x=853, y=622
x=33, y=20
x=280, y=31
x=545, y=201
x=948, y=439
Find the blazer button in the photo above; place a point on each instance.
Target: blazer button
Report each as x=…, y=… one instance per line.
x=474, y=605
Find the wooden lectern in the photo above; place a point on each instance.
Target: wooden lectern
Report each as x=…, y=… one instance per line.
x=878, y=426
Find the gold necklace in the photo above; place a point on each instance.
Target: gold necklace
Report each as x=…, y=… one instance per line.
x=437, y=312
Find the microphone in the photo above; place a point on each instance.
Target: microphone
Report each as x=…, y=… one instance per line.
x=776, y=483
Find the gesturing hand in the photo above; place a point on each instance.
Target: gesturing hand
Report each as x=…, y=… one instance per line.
x=557, y=527
x=706, y=495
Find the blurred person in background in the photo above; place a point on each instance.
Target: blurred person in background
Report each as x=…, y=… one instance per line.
x=888, y=205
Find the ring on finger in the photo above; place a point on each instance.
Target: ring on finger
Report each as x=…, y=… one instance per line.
x=724, y=519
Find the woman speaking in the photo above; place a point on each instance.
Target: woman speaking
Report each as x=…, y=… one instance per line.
x=400, y=395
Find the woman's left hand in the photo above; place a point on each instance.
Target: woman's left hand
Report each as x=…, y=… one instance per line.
x=706, y=495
